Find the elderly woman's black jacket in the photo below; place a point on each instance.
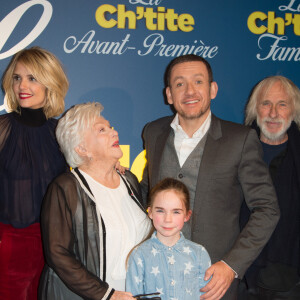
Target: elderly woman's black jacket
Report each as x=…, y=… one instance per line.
x=74, y=240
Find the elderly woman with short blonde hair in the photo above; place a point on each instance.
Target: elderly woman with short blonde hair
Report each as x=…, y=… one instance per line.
x=91, y=216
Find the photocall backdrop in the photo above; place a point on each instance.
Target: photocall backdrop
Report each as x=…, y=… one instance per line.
x=116, y=52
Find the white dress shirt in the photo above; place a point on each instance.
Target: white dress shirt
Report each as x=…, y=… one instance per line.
x=184, y=144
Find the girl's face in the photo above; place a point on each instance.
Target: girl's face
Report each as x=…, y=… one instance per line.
x=168, y=214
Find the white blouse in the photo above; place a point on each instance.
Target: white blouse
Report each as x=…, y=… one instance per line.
x=126, y=226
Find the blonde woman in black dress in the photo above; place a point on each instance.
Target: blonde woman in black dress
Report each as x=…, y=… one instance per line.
x=35, y=86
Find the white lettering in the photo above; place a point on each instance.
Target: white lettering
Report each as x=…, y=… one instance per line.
x=89, y=35
x=279, y=53
x=8, y=24
x=290, y=7
x=145, y=2
x=4, y=105
x=155, y=42
x=91, y=46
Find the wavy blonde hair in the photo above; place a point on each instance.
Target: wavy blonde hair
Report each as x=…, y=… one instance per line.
x=47, y=70
x=262, y=87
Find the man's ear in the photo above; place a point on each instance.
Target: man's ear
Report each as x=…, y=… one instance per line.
x=188, y=215
x=213, y=90
x=149, y=212
x=169, y=95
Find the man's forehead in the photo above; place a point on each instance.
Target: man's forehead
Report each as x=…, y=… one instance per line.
x=175, y=77
x=192, y=68
x=276, y=88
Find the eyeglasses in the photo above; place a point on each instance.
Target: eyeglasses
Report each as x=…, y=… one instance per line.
x=143, y=296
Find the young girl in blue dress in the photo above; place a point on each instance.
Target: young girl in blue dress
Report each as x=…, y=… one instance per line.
x=167, y=264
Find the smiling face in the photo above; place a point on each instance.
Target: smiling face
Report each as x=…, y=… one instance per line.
x=275, y=112
x=101, y=142
x=190, y=91
x=28, y=92
x=168, y=214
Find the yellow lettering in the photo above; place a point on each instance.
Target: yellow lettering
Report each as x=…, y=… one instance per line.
x=159, y=20
x=100, y=16
x=272, y=21
x=171, y=17
x=296, y=22
x=123, y=15
x=276, y=25
x=138, y=165
x=185, y=22
x=149, y=15
x=125, y=159
x=252, y=22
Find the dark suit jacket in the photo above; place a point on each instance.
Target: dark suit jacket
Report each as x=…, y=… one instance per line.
x=231, y=169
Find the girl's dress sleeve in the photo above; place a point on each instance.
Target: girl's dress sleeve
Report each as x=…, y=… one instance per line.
x=205, y=263
x=135, y=273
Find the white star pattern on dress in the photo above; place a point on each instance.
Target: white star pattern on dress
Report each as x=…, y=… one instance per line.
x=188, y=291
x=154, y=251
x=173, y=282
x=160, y=291
x=188, y=267
x=187, y=250
x=137, y=279
x=140, y=262
x=155, y=271
x=171, y=260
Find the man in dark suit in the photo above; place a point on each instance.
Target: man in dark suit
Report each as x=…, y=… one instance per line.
x=221, y=164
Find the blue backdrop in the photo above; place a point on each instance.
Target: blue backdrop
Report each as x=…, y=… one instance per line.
x=116, y=52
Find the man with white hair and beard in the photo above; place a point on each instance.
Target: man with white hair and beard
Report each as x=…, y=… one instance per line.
x=274, y=111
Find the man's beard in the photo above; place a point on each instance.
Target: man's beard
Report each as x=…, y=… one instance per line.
x=186, y=116
x=194, y=115
x=276, y=136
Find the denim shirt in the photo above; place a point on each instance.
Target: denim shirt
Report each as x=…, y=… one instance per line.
x=176, y=272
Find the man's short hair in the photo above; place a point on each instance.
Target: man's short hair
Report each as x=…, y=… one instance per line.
x=183, y=59
x=262, y=87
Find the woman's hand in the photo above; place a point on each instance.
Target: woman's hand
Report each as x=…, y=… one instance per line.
x=121, y=296
x=120, y=168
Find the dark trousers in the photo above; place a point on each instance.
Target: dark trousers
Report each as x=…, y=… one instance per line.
x=232, y=292
x=259, y=293
x=21, y=262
